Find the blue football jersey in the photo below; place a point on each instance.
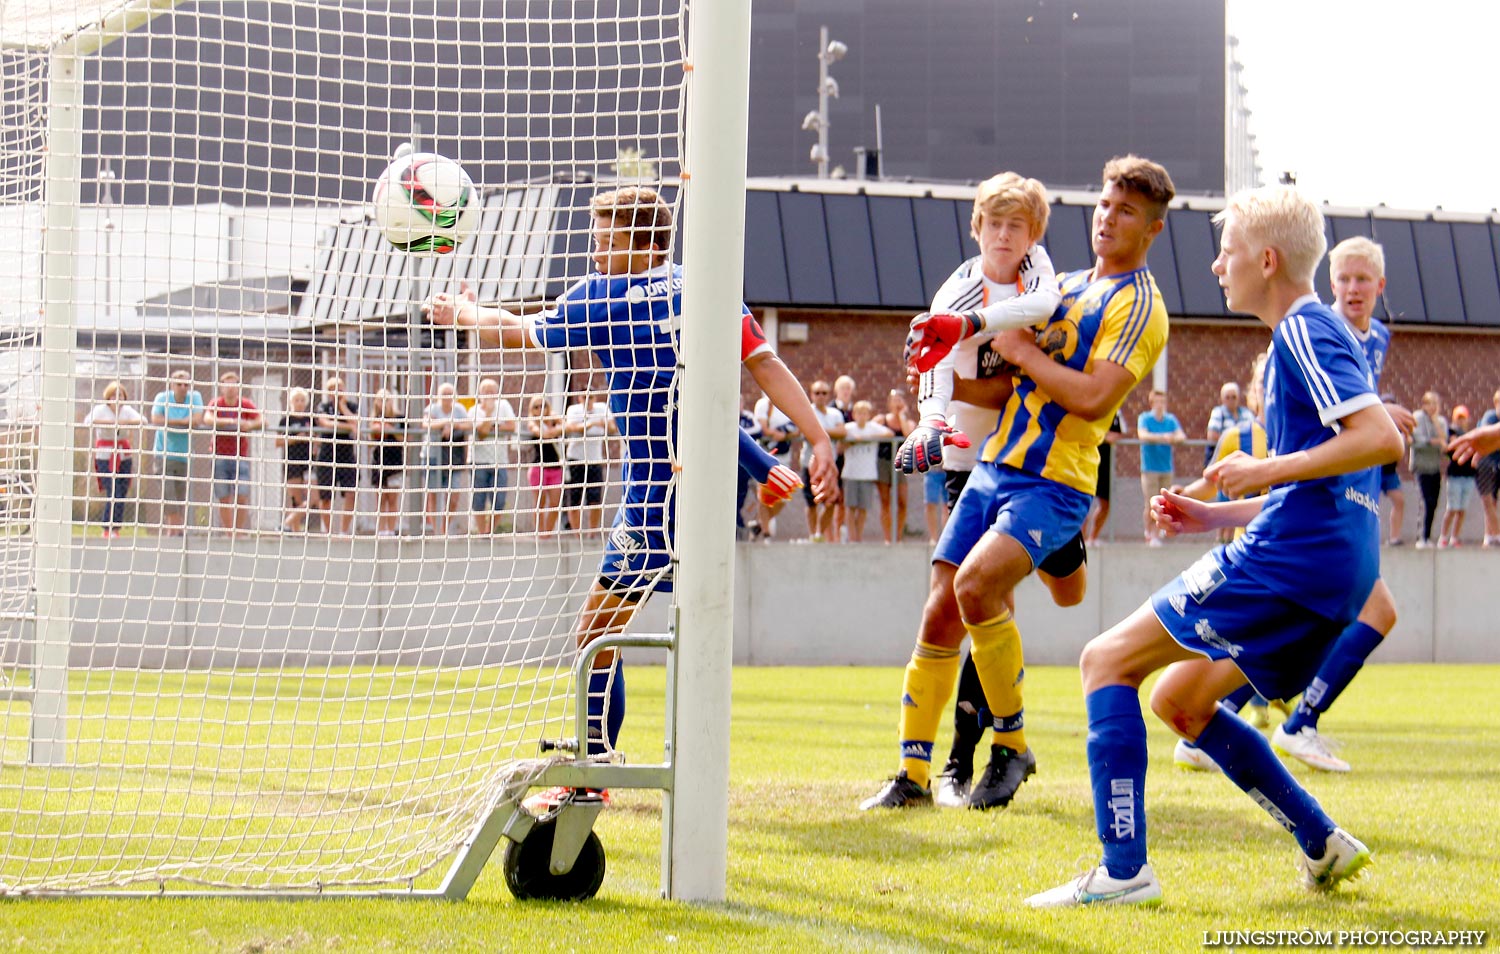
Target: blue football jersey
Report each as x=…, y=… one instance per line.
x=1376, y=344
x=1317, y=542
x=629, y=323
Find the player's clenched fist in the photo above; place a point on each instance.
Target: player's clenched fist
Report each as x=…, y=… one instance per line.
x=1237, y=475
x=934, y=334
x=923, y=448
x=780, y=484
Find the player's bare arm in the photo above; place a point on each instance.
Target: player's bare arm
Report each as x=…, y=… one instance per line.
x=1475, y=443
x=496, y=327
x=785, y=392
x=1177, y=513
x=1089, y=394
x=984, y=392
x=1366, y=438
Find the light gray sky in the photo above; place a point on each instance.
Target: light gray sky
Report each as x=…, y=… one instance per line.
x=1373, y=101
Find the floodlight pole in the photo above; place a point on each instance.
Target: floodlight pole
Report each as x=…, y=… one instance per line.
x=695, y=815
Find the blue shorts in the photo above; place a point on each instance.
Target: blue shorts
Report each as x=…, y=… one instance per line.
x=638, y=554
x=489, y=489
x=1389, y=479
x=1040, y=514
x=935, y=488
x=1216, y=609
x=231, y=477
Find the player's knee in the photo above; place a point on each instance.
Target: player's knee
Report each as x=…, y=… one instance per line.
x=1066, y=591
x=1379, y=611
x=1181, y=709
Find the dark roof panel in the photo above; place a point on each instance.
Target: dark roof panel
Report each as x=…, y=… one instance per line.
x=939, y=244
x=803, y=229
x=1403, y=280
x=1162, y=260
x=853, y=253
x=1067, y=238
x=765, y=257
x=897, y=267
x=1196, y=245
x=1440, y=293
x=1476, y=273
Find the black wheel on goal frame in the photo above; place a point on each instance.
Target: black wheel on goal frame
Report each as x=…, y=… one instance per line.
x=528, y=871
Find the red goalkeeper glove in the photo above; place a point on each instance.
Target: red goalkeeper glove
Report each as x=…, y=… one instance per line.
x=934, y=334
x=923, y=448
x=780, y=484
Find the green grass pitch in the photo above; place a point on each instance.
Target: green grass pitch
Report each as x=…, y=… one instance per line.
x=808, y=872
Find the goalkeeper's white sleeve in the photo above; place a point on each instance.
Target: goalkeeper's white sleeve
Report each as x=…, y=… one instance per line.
x=1037, y=300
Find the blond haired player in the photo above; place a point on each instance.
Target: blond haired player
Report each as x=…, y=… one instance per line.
x=1264, y=607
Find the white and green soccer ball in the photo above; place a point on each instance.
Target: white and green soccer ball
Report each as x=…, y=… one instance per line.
x=426, y=203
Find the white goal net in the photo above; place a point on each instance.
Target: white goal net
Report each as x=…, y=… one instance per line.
x=288, y=576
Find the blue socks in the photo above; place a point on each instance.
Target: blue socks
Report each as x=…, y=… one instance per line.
x=1344, y=660
x=1247, y=759
x=1117, y=769
x=606, y=706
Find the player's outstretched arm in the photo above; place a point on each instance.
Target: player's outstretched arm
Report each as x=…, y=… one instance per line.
x=1176, y=513
x=1475, y=443
x=496, y=327
x=785, y=392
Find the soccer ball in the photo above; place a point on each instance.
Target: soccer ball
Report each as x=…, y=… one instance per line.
x=426, y=203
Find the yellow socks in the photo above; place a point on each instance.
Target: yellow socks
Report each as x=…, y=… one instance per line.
x=997, y=657
x=924, y=696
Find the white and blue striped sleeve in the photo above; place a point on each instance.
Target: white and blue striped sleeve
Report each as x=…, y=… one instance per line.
x=1326, y=358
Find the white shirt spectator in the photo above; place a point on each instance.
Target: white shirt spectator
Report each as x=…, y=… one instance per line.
x=863, y=445
x=831, y=420
x=494, y=450
x=587, y=446
x=107, y=428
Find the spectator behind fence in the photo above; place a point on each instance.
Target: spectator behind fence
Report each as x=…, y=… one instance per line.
x=232, y=416
x=1229, y=413
x=494, y=430
x=337, y=421
x=779, y=436
x=1094, y=526
x=860, y=442
x=587, y=425
x=898, y=420
x=1429, y=438
x=387, y=429
x=1461, y=484
x=843, y=402
x=543, y=436
x=1158, y=432
x=820, y=513
x=175, y=411
x=295, y=436
x=1487, y=479
x=111, y=424
x=445, y=426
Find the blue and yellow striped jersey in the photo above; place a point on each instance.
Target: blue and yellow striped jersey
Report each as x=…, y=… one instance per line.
x=1118, y=318
x=1248, y=436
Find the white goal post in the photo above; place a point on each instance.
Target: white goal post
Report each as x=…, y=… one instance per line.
x=289, y=577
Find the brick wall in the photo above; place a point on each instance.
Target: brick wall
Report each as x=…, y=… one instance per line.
x=1462, y=366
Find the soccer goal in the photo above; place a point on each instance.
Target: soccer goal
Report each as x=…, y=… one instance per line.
x=289, y=576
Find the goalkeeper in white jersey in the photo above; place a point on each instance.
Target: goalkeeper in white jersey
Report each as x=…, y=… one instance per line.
x=1010, y=284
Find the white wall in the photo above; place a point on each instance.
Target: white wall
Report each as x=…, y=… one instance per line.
x=466, y=601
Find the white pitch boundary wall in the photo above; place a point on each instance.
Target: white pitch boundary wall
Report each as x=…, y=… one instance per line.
x=175, y=604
